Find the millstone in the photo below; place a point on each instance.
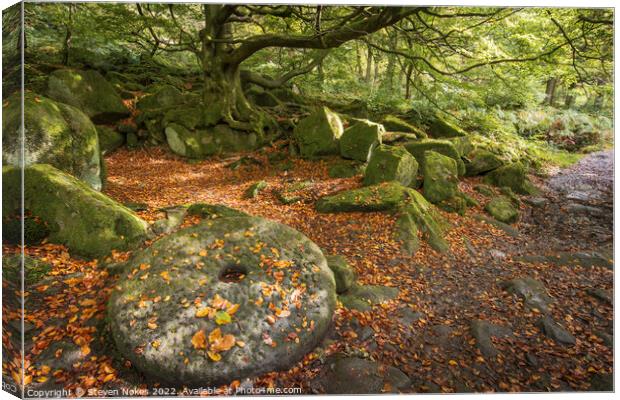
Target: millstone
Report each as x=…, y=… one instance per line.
x=193, y=280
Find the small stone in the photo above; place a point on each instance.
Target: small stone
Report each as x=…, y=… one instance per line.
x=482, y=331
x=362, y=297
x=536, y=201
x=601, y=294
x=255, y=189
x=533, y=292
x=555, y=331
x=344, y=274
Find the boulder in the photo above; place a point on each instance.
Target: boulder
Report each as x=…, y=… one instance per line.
x=359, y=140
x=222, y=300
x=390, y=163
x=164, y=97
x=462, y=144
x=318, y=134
x=362, y=297
x=346, y=169
x=482, y=331
x=485, y=190
x=511, y=175
x=188, y=117
x=109, y=139
x=344, y=274
x=417, y=214
x=89, y=223
x=255, y=189
x=440, y=177
x=555, y=331
x=380, y=197
x=207, y=142
x=532, y=292
x=88, y=91
x=213, y=211
x=418, y=147
x=502, y=209
x=174, y=219
x=440, y=127
x=480, y=161
x=55, y=133
x=395, y=124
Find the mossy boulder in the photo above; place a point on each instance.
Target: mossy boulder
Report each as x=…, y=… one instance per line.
x=55, y=133
x=189, y=117
x=513, y=176
x=237, y=297
x=34, y=269
x=391, y=163
x=416, y=214
x=109, y=139
x=88, y=91
x=440, y=177
x=502, y=209
x=345, y=169
x=462, y=144
x=255, y=189
x=440, y=127
x=200, y=143
x=394, y=124
x=363, y=297
x=89, y=223
x=344, y=274
x=480, y=161
x=318, y=134
x=381, y=197
x=418, y=147
x=358, y=140
x=212, y=211
x=163, y=97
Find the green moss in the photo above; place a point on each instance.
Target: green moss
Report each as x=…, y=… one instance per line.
x=391, y=163
x=480, y=161
x=440, y=177
x=380, y=197
x=345, y=169
x=394, y=124
x=502, y=209
x=442, y=128
x=427, y=218
x=418, y=147
x=406, y=232
x=344, y=275
x=255, y=189
x=511, y=175
x=89, y=92
x=109, y=139
x=34, y=269
x=163, y=97
x=214, y=211
x=318, y=134
x=462, y=144
x=484, y=190
x=57, y=134
x=360, y=139
x=190, y=118
x=86, y=221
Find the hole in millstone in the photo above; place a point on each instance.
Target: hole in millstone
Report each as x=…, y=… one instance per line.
x=233, y=274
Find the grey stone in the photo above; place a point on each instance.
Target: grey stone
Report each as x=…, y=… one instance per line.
x=482, y=331
x=533, y=292
x=344, y=274
x=555, y=331
x=362, y=297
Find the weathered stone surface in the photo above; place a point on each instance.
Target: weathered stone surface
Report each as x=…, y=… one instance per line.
x=109, y=139
x=358, y=141
x=462, y=144
x=390, y=163
x=213, y=211
x=55, y=133
x=502, y=209
x=418, y=147
x=202, y=143
x=485, y=190
x=601, y=294
x=532, y=292
x=345, y=169
x=442, y=128
x=417, y=214
x=555, y=331
x=318, y=134
x=163, y=97
x=344, y=274
x=395, y=124
x=511, y=175
x=353, y=375
x=255, y=189
x=440, y=177
x=362, y=297
x=510, y=230
x=293, y=192
x=480, y=161
x=381, y=197
x=225, y=262
x=482, y=331
x=89, y=92
x=86, y=221
x=174, y=219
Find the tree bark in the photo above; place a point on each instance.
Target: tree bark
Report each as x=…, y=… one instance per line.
x=68, y=35
x=408, y=73
x=550, y=91
x=368, y=64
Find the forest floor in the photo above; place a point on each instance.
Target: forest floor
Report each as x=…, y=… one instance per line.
x=425, y=331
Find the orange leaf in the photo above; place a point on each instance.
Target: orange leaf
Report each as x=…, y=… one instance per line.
x=199, y=340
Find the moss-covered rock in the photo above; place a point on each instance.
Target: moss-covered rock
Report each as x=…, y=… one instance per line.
x=440, y=127
x=189, y=117
x=34, y=269
x=240, y=267
x=88, y=91
x=456, y=204
x=86, y=221
x=207, y=142
x=390, y=163
x=513, y=176
x=358, y=140
x=163, y=97
x=440, y=177
x=255, y=189
x=418, y=147
x=502, y=209
x=380, y=197
x=416, y=210
x=480, y=161
x=345, y=169
x=55, y=133
x=318, y=134
x=109, y=139
x=344, y=274
x=394, y=124
x=462, y=144
x=485, y=190
x=212, y=211
x=398, y=138
x=362, y=297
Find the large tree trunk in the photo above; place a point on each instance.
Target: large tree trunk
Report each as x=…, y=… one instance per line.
x=224, y=100
x=408, y=74
x=550, y=91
